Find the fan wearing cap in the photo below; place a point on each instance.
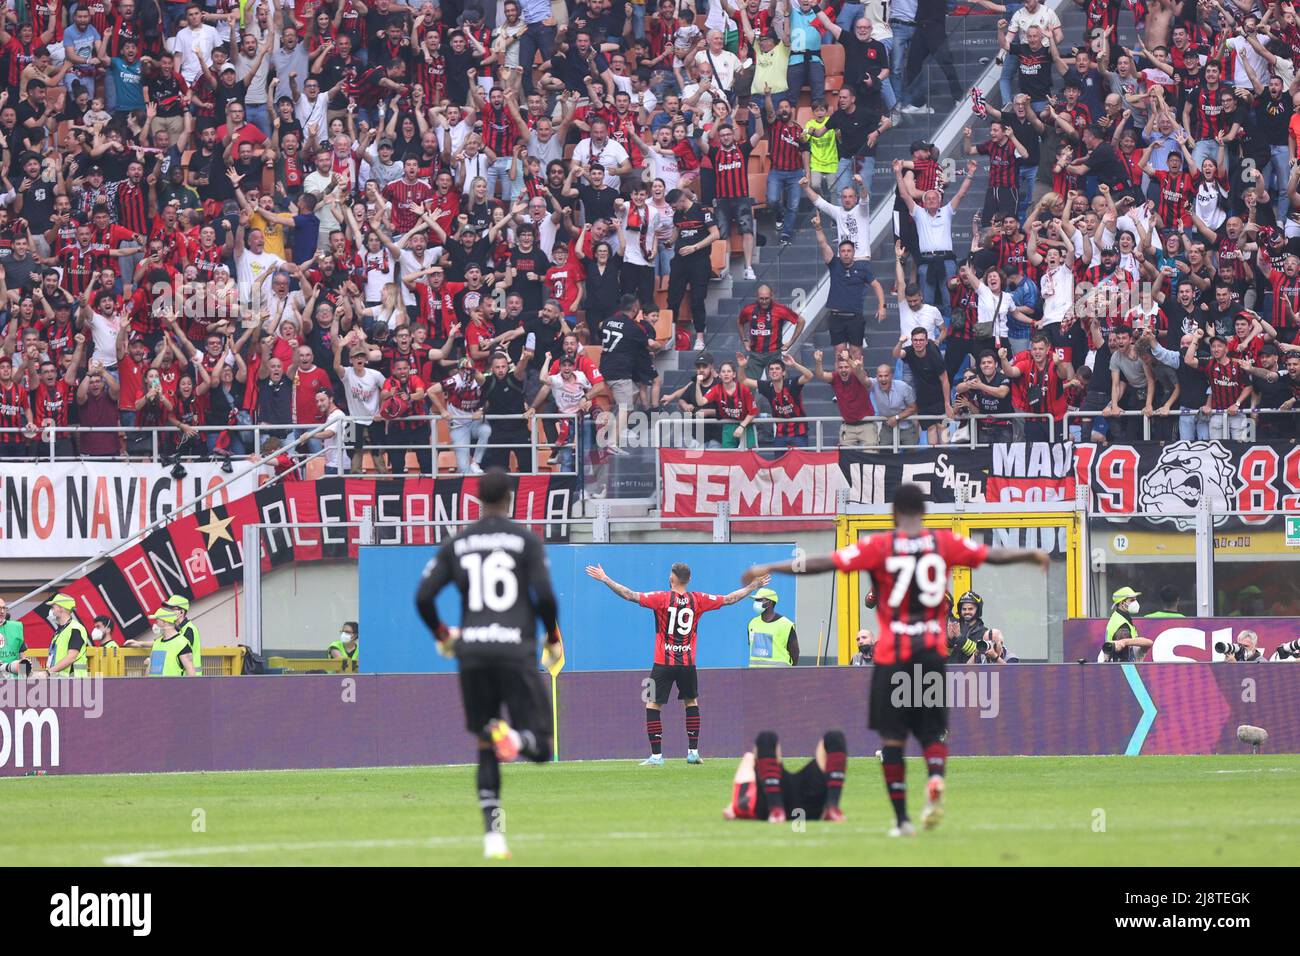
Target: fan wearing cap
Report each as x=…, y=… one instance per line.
x=1122, y=642
x=67, y=654
x=772, y=638
x=177, y=610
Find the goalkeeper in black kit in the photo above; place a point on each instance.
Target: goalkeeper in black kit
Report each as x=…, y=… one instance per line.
x=500, y=569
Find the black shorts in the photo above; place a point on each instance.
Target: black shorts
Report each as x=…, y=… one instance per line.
x=519, y=688
x=894, y=721
x=663, y=676
x=803, y=790
x=365, y=437
x=847, y=329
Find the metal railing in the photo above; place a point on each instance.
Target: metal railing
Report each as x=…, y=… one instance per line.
x=922, y=422
x=1216, y=423
x=167, y=443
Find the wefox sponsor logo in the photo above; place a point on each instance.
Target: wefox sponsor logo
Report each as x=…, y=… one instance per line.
x=75, y=909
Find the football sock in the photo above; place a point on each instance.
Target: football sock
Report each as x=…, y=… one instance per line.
x=489, y=791
x=936, y=758
x=532, y=749
x=654, y=728
x=836, y=764
x=767, y=767
x=693, y=728
x=891, y=762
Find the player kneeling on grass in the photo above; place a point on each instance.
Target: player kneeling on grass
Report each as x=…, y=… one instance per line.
x=764, y=790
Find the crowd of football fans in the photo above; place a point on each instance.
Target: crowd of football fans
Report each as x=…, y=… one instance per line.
x=230, y=221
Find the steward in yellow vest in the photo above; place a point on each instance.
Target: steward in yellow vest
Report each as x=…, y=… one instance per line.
x=67, y=655
x=772, y=640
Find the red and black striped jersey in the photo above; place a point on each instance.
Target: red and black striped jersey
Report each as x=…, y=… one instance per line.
x=621, y=128
x=206, y=260
x=735, y=407
x=132, y=208
x=1103, y=15
x=408, y=200
x=926, y=174
x=766, y=326
x=1002, y=163
x=1208, y=116
x=499, y=132
x=79, y=264
x=13, y=413
x=1175, y=193
x=52, y=402
x=677, y=618
x=1013, y=254
x=46, y=13
x=785, y=146
x=1285, y=288
x=730, y=170
x=463, y=392
x=1229, y=251
x=17, y=56
x=909, y=573
x=965, y=312
x=786, y=403
x=660, y=32
x=432, y=77
x=1227, y=380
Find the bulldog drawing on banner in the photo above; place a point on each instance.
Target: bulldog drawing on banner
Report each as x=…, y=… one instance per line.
x=1187, y=472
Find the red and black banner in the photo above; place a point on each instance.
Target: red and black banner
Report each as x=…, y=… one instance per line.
x=202, y=552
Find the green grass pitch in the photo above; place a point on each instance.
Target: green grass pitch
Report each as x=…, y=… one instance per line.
x=1156, y=811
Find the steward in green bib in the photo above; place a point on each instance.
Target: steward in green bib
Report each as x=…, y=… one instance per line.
x=187, y=629
x=12, y=646
x=345, y=648
x=1168, y=602
x=1122, y=642
x=67, y=656
x=170, y=654
x=772, y=640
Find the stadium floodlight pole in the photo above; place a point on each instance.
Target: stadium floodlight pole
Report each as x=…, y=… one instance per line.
x=155, y=525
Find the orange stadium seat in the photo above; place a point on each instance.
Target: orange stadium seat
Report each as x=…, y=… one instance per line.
x=758, y=187
x=719, y=255
x=833, y=59
x=593, y=354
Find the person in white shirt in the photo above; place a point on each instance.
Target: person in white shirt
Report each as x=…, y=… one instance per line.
x=852, y=217
x=725, y=64
x=570, y=389
x=599, y=148
x=310, y=110
x=417, y=258
x=254, y=266
x=1056, y=286
x=995, y=303
x=362, y=386
x=933, y=218
x=333, y=433
x=195, y=41
x=913, y=311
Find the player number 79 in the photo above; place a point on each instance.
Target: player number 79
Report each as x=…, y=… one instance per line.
x=929, y=572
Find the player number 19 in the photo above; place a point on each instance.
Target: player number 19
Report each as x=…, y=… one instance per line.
x=928, y=572
x=680, y=621
x=492, y=581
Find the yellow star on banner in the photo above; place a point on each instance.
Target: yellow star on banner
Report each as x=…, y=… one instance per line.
x=217, y=528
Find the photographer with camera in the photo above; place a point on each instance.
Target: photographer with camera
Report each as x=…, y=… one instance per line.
x=1289, y=651
x=972, y=641
x=1244, y=651
x=1122, y=643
